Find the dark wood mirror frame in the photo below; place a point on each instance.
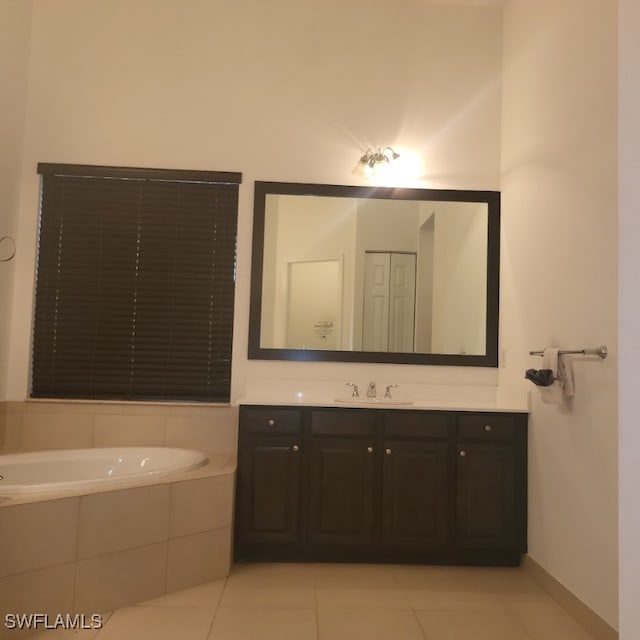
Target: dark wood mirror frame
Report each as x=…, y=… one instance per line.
x=491, y=198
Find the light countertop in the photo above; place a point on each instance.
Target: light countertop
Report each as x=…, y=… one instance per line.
x=419, y=397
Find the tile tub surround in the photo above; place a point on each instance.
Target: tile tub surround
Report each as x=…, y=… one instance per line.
x=98, y=551
x=52, y=424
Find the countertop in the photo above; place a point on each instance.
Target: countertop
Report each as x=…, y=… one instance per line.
x=433, y=398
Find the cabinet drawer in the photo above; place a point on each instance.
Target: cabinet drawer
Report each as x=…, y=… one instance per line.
x=343, y=423
x=421, y=425
x=265, y=420
x=487, y=426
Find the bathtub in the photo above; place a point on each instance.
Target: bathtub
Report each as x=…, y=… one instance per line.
x=91, y=530
x=72, y=469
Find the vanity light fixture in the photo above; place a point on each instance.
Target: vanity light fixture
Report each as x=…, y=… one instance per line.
x=373, y=158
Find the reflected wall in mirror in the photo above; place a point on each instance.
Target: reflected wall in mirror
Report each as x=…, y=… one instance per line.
x=363, y=274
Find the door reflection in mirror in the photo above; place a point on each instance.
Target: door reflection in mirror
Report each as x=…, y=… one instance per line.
x=314, y=301
x=389, y=300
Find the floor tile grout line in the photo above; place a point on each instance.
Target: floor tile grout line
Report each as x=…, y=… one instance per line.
x=217, y=609
x=315, y=600
x=514, y=619
x=422, y=629
x=109, y=615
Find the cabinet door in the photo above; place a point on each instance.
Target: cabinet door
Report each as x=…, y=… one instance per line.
x=416, y=494
x=267, y=490
x=486, y=513
x=341, y=489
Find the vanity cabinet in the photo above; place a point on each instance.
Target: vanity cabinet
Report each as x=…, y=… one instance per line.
x=490, y=492
x=392, y=485
x=416, y=485
x=340, y=504
x=268, y=477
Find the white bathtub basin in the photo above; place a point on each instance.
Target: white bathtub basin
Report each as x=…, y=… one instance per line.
x=57, y=470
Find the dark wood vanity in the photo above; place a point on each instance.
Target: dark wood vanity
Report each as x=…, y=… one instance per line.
x=376, y=483
x=381, y=485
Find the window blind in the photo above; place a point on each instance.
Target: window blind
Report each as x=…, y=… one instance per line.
x=134, y=284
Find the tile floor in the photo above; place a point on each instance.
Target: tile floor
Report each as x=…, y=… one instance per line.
x=346, y=602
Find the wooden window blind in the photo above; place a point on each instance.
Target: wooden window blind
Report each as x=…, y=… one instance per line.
x=134, y=284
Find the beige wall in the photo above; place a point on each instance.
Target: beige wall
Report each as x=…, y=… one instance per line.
x=289, y=90
x=460, y=279
x=14, y=63
x=629, y=320
x=559, y=274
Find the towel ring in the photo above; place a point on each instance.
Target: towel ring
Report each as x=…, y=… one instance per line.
x=13, y=248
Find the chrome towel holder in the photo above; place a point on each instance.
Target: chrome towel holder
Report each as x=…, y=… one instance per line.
x=601, y=351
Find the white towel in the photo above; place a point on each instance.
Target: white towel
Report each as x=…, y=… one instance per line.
x=550, y=360
x=565, y=376
x=563, y=387
x=553, y=393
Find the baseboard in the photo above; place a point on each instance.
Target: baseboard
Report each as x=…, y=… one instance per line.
x=587, y=618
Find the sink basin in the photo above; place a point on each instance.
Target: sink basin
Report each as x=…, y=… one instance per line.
x=379, y=401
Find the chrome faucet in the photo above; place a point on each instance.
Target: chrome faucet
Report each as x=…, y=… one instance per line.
x=387, y=393
x=371, y=391
x=354, y=392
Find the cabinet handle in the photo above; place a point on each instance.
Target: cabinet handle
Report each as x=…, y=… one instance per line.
x=295, y=447
x=271, y=422
x=388, y=451
x=487, y=427
x=462, y=454
x=369, y=449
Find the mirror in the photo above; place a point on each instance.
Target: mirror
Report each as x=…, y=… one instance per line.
x=363, y=274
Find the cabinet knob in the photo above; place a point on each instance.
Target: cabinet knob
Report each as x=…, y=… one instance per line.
x=369, y=449
x=487, y=427
x=462, y=454
x=388, y=451
x=295, y=447
x=271, y=422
